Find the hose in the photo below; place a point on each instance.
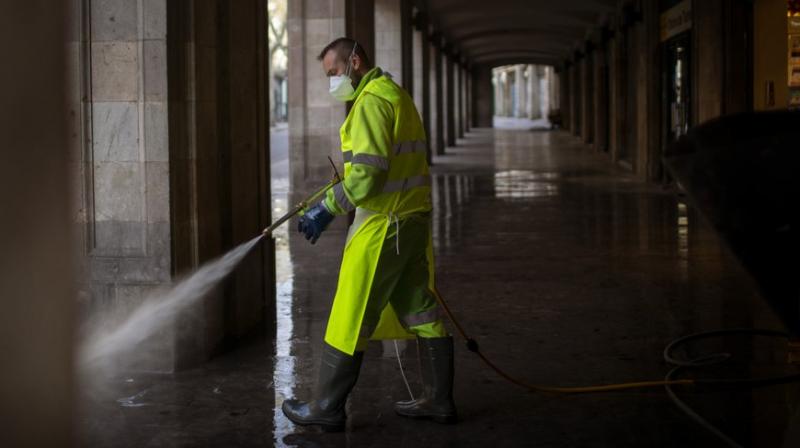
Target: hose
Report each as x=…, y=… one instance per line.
x=472, y=345
x=669, y=380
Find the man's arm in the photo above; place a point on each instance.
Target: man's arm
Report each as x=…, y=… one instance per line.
x=371, y=136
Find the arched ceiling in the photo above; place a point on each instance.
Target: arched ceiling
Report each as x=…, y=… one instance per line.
x=498, y=32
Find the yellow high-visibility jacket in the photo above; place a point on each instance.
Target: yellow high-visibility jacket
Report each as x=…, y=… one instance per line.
x=386, y=178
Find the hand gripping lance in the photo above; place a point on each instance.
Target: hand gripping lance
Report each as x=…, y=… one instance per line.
x=305, y=203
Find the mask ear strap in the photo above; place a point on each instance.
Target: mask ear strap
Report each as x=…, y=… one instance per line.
x=350, y=59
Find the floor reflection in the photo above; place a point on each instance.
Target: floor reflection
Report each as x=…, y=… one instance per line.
x=284, y=362
x=451, y=195
x=582, y=282
x=516, y=184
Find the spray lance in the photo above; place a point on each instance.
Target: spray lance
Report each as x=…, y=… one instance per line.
x=305, y=203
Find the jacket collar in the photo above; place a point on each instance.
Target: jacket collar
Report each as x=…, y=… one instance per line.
x=375, y=72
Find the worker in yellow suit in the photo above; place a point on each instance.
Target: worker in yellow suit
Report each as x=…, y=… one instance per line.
x=385, y=288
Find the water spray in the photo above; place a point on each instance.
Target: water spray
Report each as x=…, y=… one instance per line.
x=104, y=339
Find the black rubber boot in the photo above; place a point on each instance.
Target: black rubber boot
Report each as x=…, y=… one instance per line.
x=338, y=373
x=436, y=402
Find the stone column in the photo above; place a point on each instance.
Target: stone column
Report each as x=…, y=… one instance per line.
x=647, y=124
x=359, y=19
x=454, y=110
x=498, y=93
x=510, y=93
x=461, y=106
x=437, y=93
x=467, y=99
x=520, y=91
x=485, y=95
x=38, y=320
x=616, y=95
x=600, y=79
x=554, y=90
x=587, y=103
x=565, y=99
x=575, y=97
x=530, y=79
x=450, y=110
x=314, y=117
x=407, y=44
x=389, y=38
x=545, y=78
x=535, y=92
x=219, y=160
x=124, y=198
x=422, y=77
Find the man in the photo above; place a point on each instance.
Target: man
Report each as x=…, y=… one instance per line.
x=384, y=289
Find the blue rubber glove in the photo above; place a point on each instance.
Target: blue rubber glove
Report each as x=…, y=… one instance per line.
x=314, y=221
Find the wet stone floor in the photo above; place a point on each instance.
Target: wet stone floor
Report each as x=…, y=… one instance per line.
x=565, y=268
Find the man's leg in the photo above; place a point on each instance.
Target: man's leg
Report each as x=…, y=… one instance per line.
x=419, y=311
x=339, y=371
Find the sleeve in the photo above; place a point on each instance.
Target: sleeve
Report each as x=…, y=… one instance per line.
x=371, y=134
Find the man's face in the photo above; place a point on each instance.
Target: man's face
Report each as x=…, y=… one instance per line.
x=333, y=65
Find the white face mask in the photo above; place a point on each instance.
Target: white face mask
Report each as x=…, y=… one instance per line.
x=341, y=86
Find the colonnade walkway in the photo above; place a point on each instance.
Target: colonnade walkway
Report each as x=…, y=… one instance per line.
x=564, y=267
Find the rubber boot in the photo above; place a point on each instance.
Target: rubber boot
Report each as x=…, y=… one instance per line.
x=436, y=402
x=338, y=373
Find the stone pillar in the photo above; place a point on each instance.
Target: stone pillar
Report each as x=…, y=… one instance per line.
x=460, y=97
x=530, y=79
x=498, y=93
x=389, y=38
x=407, y=44
x=422, y=77
x=508, y=100
x=553, y=91
x=520, y=91
x=565, y=96
x=484, y=95
x=616, y=95
x=38, y=322
x=545, y=78
x=219, y=160
x=437, y=92
x=418, y=72
x=458, y=100
x=707, y=32
x=587, y=104
x=467, y=99
x=124, y=190
x=600, y=80
x=359, y=19
x=535, y=96
x=646, y=119
x=449, y=110
x=314, y=117
x=575, y=97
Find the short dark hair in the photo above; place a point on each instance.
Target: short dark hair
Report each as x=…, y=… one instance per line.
x=343, y=46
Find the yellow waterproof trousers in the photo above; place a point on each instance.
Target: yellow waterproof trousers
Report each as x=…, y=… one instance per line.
x=385, y=283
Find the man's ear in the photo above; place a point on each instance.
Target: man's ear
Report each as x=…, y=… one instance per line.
x=356, y=62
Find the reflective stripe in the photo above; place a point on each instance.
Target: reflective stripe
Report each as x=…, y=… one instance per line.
x=410, y=146
x=342, y=199
x=412, y=320
x=372, y=160
x=393, y=186
x=348, y=156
